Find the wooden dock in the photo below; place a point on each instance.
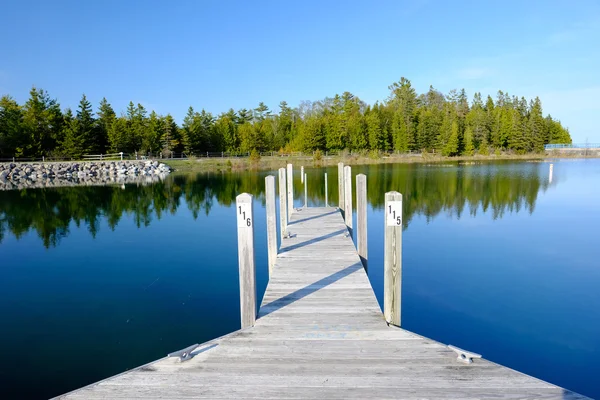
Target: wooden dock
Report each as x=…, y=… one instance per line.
x=320, y=333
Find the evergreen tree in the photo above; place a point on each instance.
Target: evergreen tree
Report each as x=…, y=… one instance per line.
x=374, y=132
x=41, y=124
x=106, y=117
x=118, y=135
x=537, y=131
x=85, y=127
x=451, y=146
x=469, y=148
x=11, y=134
x=73, y=142
x=151, y=141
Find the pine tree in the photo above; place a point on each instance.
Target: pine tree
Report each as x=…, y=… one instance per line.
x=106, y=117
x=151, y=140
x=469, y=148
x=85, y=127
x=73, y=143
x=399, y=133
x=41, y=124
x=537, y=130
x=451, y=146
x=374, y=132
x=11, y=134
x=118, y=135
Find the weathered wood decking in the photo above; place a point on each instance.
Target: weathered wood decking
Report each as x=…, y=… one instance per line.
x=320, y=334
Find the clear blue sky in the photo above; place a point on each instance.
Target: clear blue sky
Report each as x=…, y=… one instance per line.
x=219, y=54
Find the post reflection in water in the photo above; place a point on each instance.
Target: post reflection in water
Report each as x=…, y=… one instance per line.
x=456, y=189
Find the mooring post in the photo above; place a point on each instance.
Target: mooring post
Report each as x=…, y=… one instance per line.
x=245, y=223
x=348, y=197
x=305, y=192
x=271, y=221
x=326, y=200
x=302, y=174
x=392, y=260
x=551, y=173
x=341, y=192
x=121, y=153
x=361, y=218
x=290, y=190
x=282, y=203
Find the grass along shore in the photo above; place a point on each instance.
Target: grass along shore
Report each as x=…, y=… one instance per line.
x=275, y=162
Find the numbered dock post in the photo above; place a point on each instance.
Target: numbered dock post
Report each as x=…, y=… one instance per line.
x=348, y=196
x=302, y=174
x=290, y=190
x=361, y=218
x=392, y=260
x=271, y=221
x=282, y=203
x=245, y=223
x=341, y=192
x=326, y=200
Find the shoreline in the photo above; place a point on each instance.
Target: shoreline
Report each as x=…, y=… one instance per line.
x=276, y=162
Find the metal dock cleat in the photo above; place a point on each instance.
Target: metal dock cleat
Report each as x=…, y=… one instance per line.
x=185, y=354
x=463, y=355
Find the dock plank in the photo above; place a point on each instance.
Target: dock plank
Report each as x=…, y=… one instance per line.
x=320, y=333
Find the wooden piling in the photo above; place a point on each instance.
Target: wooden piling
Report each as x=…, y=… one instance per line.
x=282, y=203
x=305, y=192
x=551, y=173
x=326, y=199
x=392, y=260
x=361, y=218
x=348, y=196
x=271, y=221
x=302, y=174
x=341, y=192
x=247, y=266
x=290, y=190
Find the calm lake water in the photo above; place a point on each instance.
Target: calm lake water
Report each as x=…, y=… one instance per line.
x=497, y=260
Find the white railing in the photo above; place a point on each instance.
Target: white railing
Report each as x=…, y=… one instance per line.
x=102, y=157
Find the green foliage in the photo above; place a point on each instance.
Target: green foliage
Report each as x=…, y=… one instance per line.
x=469, y=148
x=254, y=156
x=73, y=142
x=406, y=121
x=11, y=125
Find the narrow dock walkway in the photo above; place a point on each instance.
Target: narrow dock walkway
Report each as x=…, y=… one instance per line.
x=320, y=334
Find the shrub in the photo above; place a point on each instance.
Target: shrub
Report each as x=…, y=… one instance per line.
x=374, y=154
x=254, y=156
x=317, y=155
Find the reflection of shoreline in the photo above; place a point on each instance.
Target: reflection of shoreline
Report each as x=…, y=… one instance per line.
x=462, y=190
x=87, y=181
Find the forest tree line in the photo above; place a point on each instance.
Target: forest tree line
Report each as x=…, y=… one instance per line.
x=406, y=121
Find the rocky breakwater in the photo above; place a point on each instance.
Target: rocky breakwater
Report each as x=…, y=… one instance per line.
x=36, y=175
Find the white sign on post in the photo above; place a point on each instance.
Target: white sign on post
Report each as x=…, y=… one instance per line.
x=394, y=213
x=244, y=218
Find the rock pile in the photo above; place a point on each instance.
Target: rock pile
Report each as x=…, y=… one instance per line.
x=30, y=175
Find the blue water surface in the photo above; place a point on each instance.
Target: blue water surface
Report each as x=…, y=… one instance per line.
x=496, y=259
